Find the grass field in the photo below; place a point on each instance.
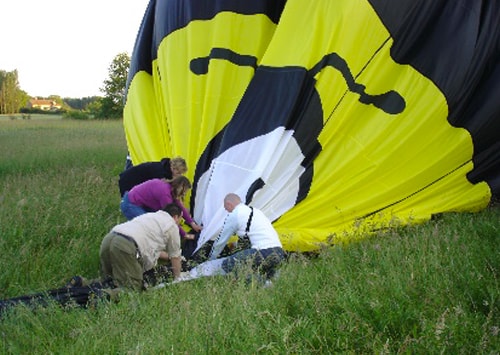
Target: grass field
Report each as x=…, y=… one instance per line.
x=427, y=289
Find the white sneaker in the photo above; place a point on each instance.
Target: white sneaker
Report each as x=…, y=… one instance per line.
x=268, y=284
x=185, y=276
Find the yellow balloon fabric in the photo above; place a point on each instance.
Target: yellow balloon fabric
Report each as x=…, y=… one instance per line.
x=308, y=116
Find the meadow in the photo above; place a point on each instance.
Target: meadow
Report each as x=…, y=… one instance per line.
x=431, y=288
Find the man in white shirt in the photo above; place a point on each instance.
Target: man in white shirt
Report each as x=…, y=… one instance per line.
x=133, y=247
x=266, y=251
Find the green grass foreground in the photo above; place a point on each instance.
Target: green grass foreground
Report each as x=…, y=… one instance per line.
x=428, y=289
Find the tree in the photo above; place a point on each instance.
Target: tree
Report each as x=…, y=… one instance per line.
x=12, y=98
x=94, y=108
x=114, y=87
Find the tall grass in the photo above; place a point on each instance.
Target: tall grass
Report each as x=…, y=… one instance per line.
x=58, y=194
x=431, y=288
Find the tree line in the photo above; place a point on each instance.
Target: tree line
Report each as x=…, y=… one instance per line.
x=14, y=100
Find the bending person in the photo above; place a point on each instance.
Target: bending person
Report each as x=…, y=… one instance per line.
x=133, y=247
x=153, y=195
x=265, y=253
x=165, y=169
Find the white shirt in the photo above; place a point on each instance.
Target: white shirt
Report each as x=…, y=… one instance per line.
x=153, y=232
x=262, y=234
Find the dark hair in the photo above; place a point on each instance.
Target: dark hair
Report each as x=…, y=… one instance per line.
x=173, y=210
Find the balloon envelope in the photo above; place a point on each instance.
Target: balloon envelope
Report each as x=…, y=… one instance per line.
x=336, y=118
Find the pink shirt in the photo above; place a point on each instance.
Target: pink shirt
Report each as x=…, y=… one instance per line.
x=154, y=195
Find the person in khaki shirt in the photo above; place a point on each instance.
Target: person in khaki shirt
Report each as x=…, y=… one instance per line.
x=135, y=246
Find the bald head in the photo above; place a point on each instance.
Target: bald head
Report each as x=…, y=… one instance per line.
x=231, y=201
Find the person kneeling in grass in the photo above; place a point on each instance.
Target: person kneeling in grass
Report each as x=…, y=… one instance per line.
x=266, y=251
x=136, y=246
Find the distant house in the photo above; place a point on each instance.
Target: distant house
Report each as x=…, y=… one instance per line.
x=44, y=105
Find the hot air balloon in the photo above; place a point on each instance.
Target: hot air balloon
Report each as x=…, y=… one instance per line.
x=335, y=118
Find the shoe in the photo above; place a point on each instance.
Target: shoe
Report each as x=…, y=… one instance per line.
x=185, y=276
x=268, y=283
x=76, y=281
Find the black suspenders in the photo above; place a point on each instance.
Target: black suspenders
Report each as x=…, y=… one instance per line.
x=249, y=222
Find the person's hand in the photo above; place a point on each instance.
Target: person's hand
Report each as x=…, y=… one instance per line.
x=189, y=236
x=195, y=226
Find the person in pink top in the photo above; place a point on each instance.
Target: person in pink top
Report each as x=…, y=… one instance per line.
x=153, y=195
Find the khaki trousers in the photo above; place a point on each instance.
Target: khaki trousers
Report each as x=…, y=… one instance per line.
x=118, y=257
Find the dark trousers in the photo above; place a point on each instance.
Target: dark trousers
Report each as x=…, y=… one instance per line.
x=265, y=261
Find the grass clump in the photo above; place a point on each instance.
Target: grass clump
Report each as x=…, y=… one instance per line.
x=431, y=288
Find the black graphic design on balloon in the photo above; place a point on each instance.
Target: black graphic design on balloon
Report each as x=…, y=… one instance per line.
x=390, y=102
x=199, y=65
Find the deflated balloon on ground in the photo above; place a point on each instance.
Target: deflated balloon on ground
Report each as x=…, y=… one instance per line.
x=335, y=118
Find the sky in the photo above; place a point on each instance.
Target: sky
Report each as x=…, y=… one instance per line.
x=65, y=47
